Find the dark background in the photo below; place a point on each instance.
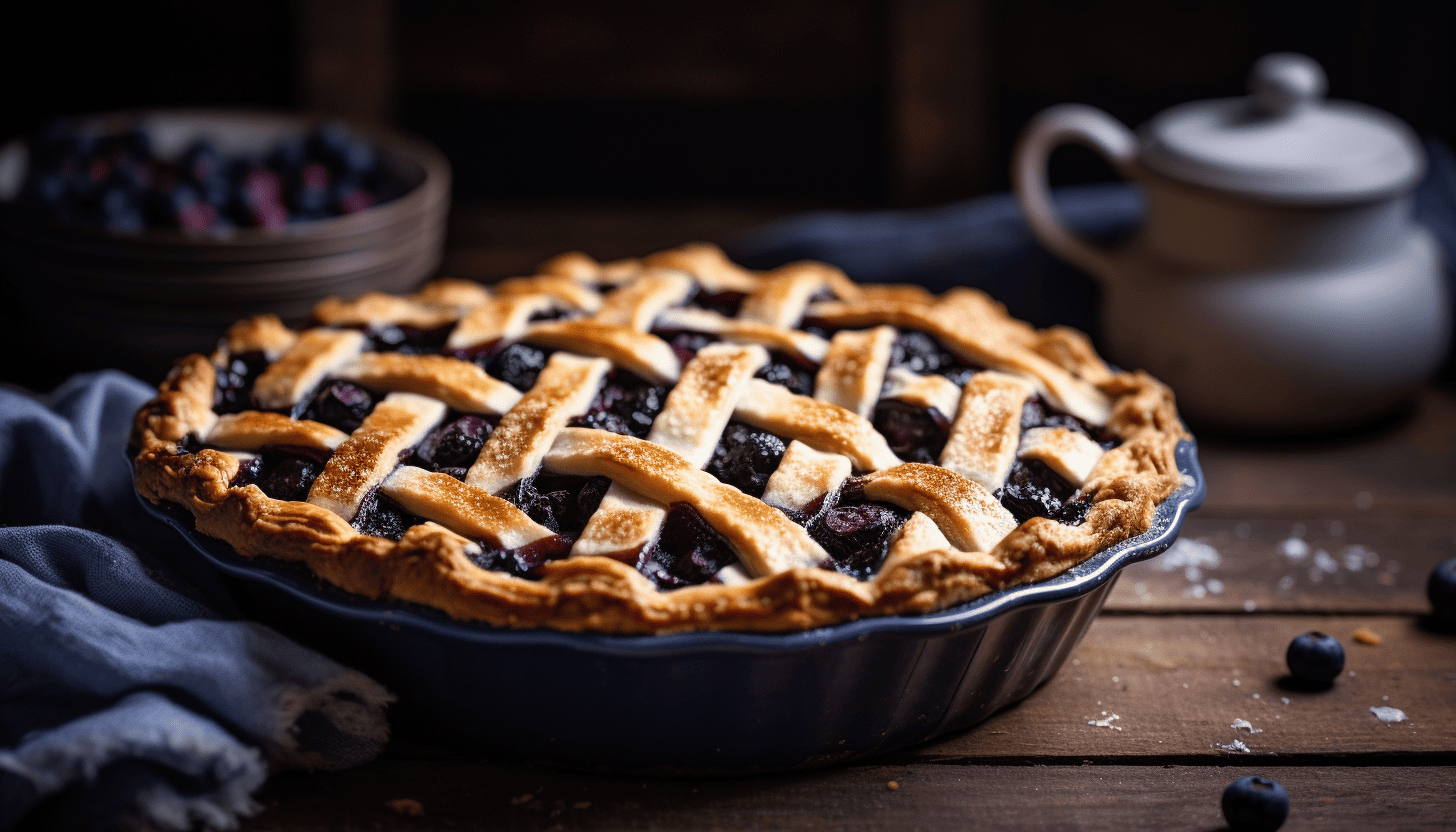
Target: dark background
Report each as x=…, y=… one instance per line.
x=814, y=102
x=622, y=128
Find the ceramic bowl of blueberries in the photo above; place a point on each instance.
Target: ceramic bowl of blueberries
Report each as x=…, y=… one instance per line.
x=691, y=703
x=129, y=238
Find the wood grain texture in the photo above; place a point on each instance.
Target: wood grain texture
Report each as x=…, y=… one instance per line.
x=1178, y=683
x=465, y=796
x=1348, y=562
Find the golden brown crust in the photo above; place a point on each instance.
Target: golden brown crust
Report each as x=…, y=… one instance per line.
x=925, y=570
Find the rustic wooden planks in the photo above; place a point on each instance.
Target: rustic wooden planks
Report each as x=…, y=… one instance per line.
x=466, y=796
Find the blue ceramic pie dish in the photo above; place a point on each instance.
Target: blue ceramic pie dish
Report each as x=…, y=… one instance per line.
x=697, y=703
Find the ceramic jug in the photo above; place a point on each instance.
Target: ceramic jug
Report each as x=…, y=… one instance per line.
x=1278, y=282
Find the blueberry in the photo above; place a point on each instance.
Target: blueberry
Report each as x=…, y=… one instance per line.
x=687, y=551
x=625, y=405
x=1315, y=658
x=1033, y=489
x=235, y=382
x=382, y=517
x=290, y=478
x=201, y=162
x=1255, y=804
x=685, y=345
x=455, y=444
x=517, y=365
x=726, y=303
x=921, y=354
x=340, y=404
x=784, y=371
x=287, y=156
x=855, y=531
x=915, y=434
x=1441, y=589
x=746, y=457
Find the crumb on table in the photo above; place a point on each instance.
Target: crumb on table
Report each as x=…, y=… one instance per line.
x=405, y=806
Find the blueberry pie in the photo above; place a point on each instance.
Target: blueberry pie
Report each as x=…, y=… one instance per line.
x=665, y=444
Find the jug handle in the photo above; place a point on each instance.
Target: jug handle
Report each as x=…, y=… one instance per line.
x=1050, y=128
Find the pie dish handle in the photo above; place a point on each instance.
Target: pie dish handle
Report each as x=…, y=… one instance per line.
x=1052, y=127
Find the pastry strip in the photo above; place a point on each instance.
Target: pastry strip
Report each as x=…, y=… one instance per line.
x=765, y=540
x=854, y=369
x=705, y=261
x=646, y=355
x=693, y=418
x=983, y=438
x=916, y=390
x=820, y=425
x=804, y=344
x=637, y=304
x=367, y=456
x=564, y=389
x=462, y=509
x=377, y=308
x=253, y=429
x=564, y=289
x=1068, y=452
x=496, y=319
x=314, y=355
x=966, y=513
x=459, y=384
x=803, y=475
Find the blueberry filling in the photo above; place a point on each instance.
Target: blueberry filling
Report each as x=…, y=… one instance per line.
x=1034, y=490
x=923, y=355
x=745, y=457
x=684, y=344
x=233, y=391
x=726, y=303
x=382, y=517
x=517, y=365
x=855, y=531
x=560, y=502
x=340, y=404
x=552, y=314
x=915, y=434
x=282, y=473
x=407, y=339
x=523, y=561
x=789, y=371
x=687, y=551
x=453, y=445
x=626, y=405
x=1036, y=413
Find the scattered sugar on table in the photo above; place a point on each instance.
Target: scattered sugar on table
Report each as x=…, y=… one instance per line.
x=1387, y=714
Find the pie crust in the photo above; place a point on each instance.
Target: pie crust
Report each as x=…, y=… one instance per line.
x=959, y=542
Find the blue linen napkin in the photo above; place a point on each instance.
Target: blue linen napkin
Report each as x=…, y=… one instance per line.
x=130, y=694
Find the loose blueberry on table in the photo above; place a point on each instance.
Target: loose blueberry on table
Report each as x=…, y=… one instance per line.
x=1315, y=658
x=1441, y=589
x=1255, y=804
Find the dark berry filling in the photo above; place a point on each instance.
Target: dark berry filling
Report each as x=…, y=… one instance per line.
x=1034, y=490
x=746, y=457
x=517, y=365
x=684, y=344
x=726, y=303
x=282, y=473
x=923, y=355
x=560, y=502
x=1037, y=413
x=382, y=517
x=340, y=404
x=233, y=392
x=407, y=339
x=523, y=561
x=626, y=405
x=915, y=434
x=688, y=550
x=553, y=314
x=855, y=531
x=453, y=445
x=789, y=371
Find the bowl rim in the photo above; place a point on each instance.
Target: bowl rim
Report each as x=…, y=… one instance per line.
x=1076, y=581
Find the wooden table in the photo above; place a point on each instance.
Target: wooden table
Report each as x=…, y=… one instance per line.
x=1337, y=535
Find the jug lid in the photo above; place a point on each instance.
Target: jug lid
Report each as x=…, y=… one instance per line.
x=1284, y=141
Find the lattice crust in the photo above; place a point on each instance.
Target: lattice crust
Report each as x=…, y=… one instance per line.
x=777, y=416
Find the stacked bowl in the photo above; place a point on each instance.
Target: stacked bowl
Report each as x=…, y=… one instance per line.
x=84, y=295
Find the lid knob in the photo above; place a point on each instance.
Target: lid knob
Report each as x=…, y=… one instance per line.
x=1285, y=82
